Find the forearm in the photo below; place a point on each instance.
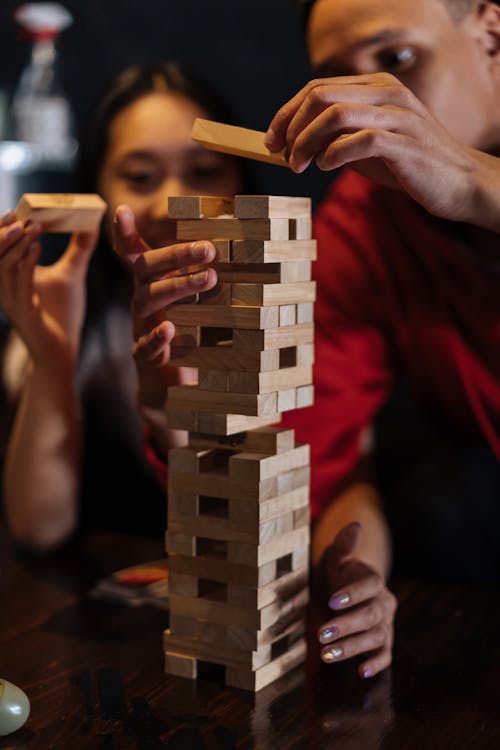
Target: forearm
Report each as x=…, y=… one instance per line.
x=359, y=502
x=41, y=475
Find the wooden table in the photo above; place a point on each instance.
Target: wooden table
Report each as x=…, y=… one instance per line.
x=94, y=671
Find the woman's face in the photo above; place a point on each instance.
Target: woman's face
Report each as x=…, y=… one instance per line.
x=151, y=156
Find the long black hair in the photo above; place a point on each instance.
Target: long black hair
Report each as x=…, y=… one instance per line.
x=108, y=282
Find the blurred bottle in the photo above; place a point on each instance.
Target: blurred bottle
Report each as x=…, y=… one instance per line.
x=41, y=113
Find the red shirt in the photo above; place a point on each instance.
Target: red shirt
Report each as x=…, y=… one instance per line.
x=399, y=296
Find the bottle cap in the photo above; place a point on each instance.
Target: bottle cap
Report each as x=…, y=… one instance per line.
x=43, y=20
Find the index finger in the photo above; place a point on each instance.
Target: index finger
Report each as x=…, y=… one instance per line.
x=275, y=138
x=154, y=264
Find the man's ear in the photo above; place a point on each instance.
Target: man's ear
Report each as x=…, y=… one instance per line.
x=489, y=18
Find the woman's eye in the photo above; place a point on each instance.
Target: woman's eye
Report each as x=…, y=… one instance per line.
x=398, y=60
x=138, y=178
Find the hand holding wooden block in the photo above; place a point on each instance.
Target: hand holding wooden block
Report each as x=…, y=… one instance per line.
x=230, y=139
x=62, y=212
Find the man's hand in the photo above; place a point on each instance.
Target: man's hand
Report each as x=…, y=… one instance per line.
x=364, y=608
x=376, y=125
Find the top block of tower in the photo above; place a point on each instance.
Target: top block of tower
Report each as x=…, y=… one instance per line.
x=62, y=212
x=199, y=206
x=270, y=207
x=230, y=139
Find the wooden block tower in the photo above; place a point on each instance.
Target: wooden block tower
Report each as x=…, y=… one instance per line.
x=238, y=517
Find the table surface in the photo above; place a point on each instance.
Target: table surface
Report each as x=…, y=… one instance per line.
x=93, y=671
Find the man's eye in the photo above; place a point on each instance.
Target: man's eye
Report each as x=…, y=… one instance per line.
x=398, y=60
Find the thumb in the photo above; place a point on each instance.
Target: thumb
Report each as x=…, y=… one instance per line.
x=127, y=242
x=346, y=540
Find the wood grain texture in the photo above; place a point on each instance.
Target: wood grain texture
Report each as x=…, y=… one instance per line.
x=230, y=139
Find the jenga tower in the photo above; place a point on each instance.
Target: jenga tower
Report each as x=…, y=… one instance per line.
x=238, y=515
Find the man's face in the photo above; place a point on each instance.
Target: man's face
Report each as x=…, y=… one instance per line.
x=443, y=62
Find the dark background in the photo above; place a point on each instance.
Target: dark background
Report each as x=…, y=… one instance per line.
x=252, y=51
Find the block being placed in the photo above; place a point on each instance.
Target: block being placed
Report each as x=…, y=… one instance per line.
x=62, y=212
x=230, y=139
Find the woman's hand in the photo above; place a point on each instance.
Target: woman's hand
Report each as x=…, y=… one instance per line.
x=378, y=126
x=161, y=279
x=364, y=608
x=45, y=304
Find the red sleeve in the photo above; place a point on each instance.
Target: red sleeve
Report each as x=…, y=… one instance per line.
x=352, y=373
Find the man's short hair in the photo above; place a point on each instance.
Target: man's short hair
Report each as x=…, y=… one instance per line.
x=457, y=9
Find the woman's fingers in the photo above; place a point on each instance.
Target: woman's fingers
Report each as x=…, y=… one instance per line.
x=153, y=349
x=150, y=298
x=127, y=241
x=377, y=662
x=155, y=264
x=15, y=240
x=355, y=645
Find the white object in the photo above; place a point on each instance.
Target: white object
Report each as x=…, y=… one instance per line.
x=14, y=707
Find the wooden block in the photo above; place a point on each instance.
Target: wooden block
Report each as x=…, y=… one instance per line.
x=300, y=228
x=180, y=503
x=292, y=480
x=264, y=273
x=219, y=484
x=182, y=544
x=304, y=355
x=302, y=517
x=187, y=460
x=262, y=596
x=305, y=396
x=220, y=294
x=206, y=632
x=240, y=638
x=266, y=510
x=230, y=139
x=273, y=439
x=199, y=206
x=227, y=358
x=270, y=207
x=217, y=424
x=305, y=312
x=213, y=380
x=273, y=294
x=273, y=338
x=287, y=399
x=255, y=467
x=287, y=315
x=233, y=229
x=259, y=678
x=258, y=251
x=251, y=554
x=181, y=666
x=223, y=250
x=185, y=585
x=192, y=398
x=218, y=316
x=217, y=653
x=62, y=212
x=223, y=571
x=267, y=382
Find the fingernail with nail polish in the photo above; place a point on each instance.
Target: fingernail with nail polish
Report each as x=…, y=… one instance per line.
x=332, y=655
x=328, y=634
x=340, y=601
x=367, y=672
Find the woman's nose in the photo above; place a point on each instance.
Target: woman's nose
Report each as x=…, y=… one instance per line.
x=171, y=187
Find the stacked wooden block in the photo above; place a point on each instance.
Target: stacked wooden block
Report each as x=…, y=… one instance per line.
x=238, y=518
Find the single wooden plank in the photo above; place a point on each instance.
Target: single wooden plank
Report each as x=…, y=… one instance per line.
x=220, y=294
x=305, y=312
x=199, y=206
x=260, y=678
x=230, y=139
x=219, y=484
x=269, y=440
x=270, y=207
x=273, y=294
x=288, y=315
x=192, y=398
x=227, y=358
x=223, y=571
x=300, y=228
x=253, y=317
x=273, y=338
x=255, y=467
x=259, y=251
x=264, y=273
x=181, y=665
x=267, y=510
x=266, y=382
x=233, y=229
x=217, y=424
x=217, y=653
x=287, y=400
x=304, y=396
x=62, y=212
